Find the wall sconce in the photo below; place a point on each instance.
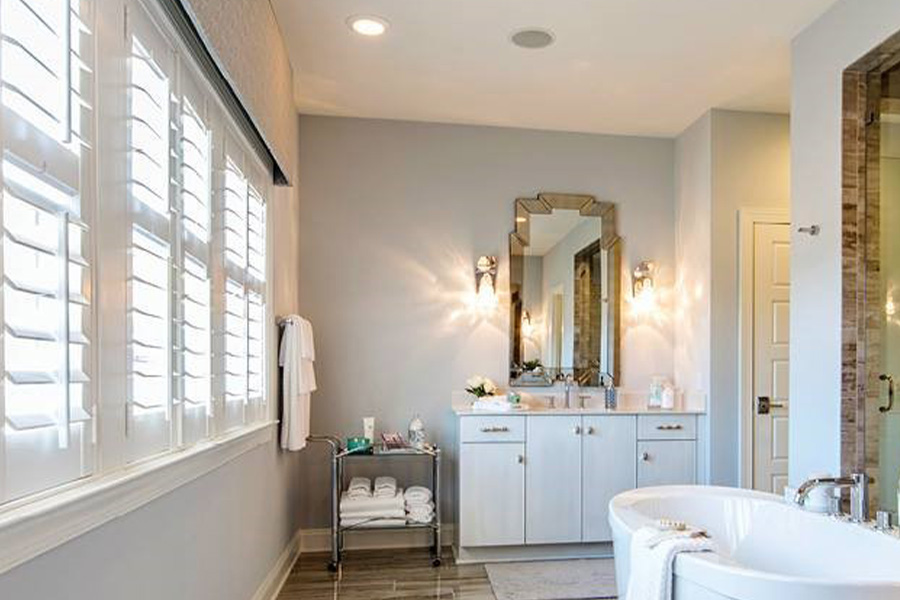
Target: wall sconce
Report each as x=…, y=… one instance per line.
x=642, y=278
x=485, y=281
x=527, y=327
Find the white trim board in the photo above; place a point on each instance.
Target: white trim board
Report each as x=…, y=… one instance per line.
x=277, y=576
x=33, y=528
x=747, y=218
x=319, y=540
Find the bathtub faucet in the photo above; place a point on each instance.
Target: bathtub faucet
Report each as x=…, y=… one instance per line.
x=859, y=493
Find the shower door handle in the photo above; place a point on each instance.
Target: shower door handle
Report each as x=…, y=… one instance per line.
x=890, y=382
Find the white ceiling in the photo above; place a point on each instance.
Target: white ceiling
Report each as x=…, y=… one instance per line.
x=647, y=67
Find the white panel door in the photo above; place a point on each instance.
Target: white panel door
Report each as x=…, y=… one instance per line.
x=608, y=468
x=666, y=462
x=492, y=494
x=771, y=303
x=553, y=480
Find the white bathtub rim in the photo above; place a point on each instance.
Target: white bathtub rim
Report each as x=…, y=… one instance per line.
x=725, y=576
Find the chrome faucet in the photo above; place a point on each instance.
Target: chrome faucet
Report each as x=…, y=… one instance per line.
x=569, y=384
x=859, y=493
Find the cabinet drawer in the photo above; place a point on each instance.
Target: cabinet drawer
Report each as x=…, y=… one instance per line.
x=667, y=427
x=490, y=428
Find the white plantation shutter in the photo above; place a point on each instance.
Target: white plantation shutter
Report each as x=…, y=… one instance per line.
x=241, y=326
x=46, y=404
x=256, y=303
x=193, y=344
x=150, y=157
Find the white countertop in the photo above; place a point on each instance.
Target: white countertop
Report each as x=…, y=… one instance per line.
x=466, y=411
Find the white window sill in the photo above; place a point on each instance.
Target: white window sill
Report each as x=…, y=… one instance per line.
x=40, y=525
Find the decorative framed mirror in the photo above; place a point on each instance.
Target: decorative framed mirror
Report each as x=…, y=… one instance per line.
x=565, y=291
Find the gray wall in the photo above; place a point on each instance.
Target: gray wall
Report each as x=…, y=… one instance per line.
x=727, y=161
x=214, y=539
x=393, y=217
x=820, y=54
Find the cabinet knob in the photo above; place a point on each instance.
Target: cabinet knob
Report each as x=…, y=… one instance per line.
x=577, y=430
x=520, y=459
x=590, y=430
x=645, y=456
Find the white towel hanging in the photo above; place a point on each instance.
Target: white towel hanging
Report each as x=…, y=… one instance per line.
x=298, y=381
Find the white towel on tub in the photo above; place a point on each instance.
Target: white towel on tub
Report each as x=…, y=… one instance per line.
x=298, y=381
x=653, y=552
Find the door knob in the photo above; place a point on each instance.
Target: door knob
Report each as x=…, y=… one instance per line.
x=764, y=405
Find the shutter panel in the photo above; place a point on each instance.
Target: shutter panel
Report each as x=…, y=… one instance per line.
x=193, y=344
x=46, y=97
x=151, y=66
x=256, y=305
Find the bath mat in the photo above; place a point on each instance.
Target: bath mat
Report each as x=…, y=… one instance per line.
x=586, y=579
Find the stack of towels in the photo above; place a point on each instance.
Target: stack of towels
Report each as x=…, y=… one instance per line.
x=653, y=552
x=363, y=506
x=419, y=507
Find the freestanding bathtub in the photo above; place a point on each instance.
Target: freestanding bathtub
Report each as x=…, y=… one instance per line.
x=767, y=549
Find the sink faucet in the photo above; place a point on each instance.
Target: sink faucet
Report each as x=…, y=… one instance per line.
x=569, y=384
x=859, y=493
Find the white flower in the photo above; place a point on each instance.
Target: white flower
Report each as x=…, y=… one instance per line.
x=489, y=386
x=475, y=381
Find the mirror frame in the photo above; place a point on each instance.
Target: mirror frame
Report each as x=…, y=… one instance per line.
x=544, y=204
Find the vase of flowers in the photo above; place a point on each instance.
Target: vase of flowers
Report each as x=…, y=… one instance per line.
x=480, y=386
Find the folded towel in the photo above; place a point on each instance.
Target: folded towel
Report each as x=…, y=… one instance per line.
x=385, y=487
x=360, y=487
x=372, y=523
x=492, y=404
x=369, y=503
x=376, y=513
x=653, y=552
x=417, y=494
x=420, y=513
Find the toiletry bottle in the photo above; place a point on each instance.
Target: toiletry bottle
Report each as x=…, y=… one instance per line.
x=369, y=429
x=417, y=433
x=668, y=398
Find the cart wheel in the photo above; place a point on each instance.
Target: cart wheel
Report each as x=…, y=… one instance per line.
x=333, y=567
x=436, y=562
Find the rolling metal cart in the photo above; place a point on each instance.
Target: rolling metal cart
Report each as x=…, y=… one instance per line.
x=339, y=455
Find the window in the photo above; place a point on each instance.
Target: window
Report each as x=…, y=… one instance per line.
x=46, y=93
x=170, y=205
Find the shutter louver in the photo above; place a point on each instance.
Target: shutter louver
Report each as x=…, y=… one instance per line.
x=46, y=80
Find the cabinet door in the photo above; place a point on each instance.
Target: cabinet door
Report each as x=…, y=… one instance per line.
x=491, y=494
x=666, y=463
x=609, y=467
x=553, y=480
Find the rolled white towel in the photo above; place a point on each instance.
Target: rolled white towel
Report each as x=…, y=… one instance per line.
x=360, y=487
x=385, y=487
x=422, y=513
x=417, y=494
x=377, y=513
x=366, y=523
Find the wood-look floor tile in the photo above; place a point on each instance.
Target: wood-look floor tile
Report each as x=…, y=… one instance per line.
x=386, y=575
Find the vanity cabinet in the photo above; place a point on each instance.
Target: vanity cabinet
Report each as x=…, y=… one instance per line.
x=492, y=481
x=666, y=450
x=553, y=480
x=543, y=481
x=608, y=469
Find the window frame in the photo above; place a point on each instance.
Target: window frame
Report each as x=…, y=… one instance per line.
x=34, y=524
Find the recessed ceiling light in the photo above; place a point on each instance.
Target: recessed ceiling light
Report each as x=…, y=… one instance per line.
x=368, y=25
x=532, y=38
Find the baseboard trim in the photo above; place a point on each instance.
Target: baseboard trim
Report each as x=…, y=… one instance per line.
x=491, y=554
x=319, y=540
x=275, y=579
